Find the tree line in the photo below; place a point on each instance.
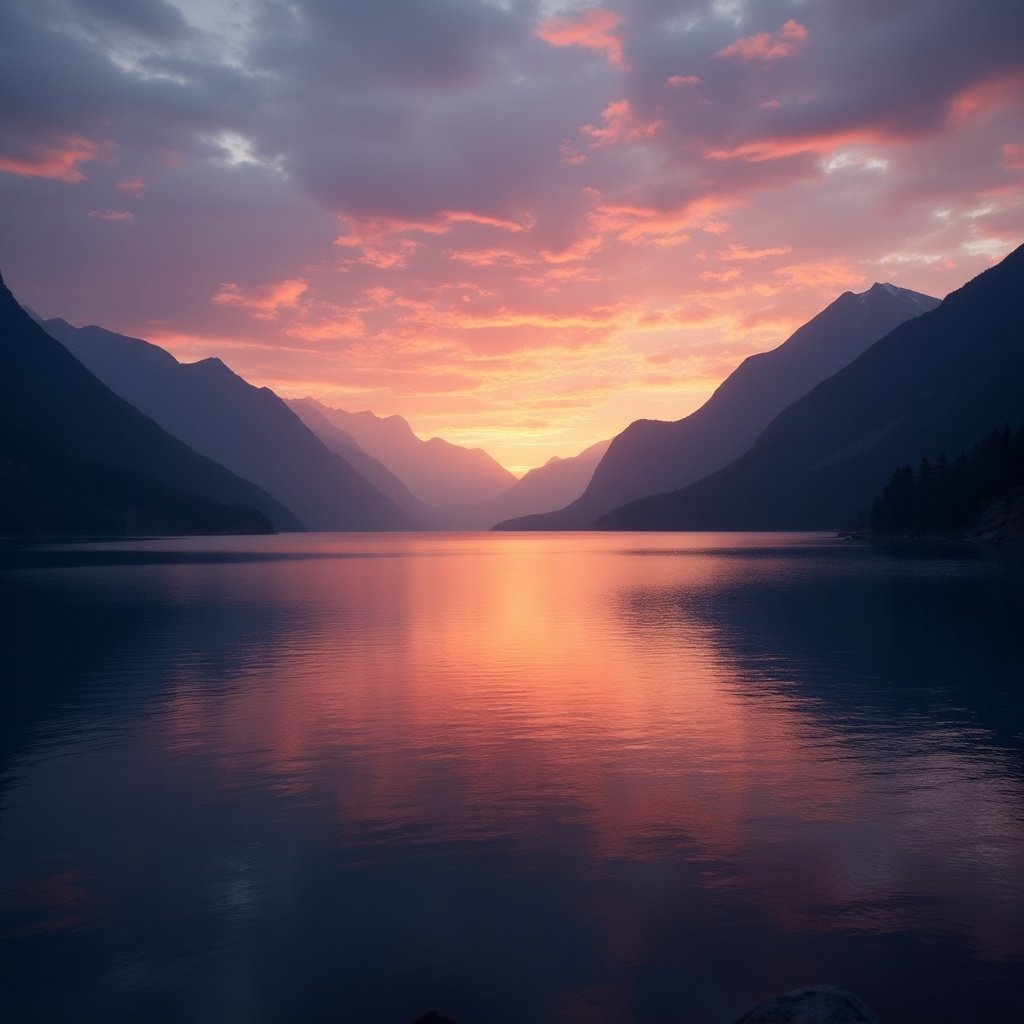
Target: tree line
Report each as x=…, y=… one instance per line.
x=950, y=496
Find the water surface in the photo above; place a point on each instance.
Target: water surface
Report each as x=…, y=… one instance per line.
x=545, y=778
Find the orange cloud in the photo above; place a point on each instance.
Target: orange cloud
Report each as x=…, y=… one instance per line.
x=620, y=125
x=57, y=162
x=579, y=250
x=767, y=45
x=594, y=30
x=570, y=154
x=759, y=150
x=1012, y=156
x=489, y=257
x=132, y=186
x=679, y=81
x=740, y=253
x=262, y=303
x=825, y=276
x=721, y=276
x=648, y=225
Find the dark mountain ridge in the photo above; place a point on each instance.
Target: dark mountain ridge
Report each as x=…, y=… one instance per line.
x=654, y=456
x=935, y=383
x=249, y=430
x=76, y=459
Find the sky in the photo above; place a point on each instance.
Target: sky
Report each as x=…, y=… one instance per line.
x=521, y=224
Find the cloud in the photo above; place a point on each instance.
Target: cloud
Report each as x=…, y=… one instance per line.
x=262, y=303
x=828, y=275
x=111, y=214
x=740, y=253
x=593, y=30
x=132, y=186
x=58, y=160
x=1012, y=154
x=620, y=125
x=768, y=45
x=431, y=154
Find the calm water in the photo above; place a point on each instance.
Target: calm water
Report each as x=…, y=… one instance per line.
x=541, y=778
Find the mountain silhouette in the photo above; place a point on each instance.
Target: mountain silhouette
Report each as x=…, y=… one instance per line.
x=436, y=471
x=76, y=459
x=653, y=456
x=371, y=469
x=249, y=430
x=551, y=486
x=935, y=383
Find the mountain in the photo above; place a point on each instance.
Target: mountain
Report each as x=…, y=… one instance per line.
x=936, y=383
x=551, y=486
x=436, y=471
x=372, y=470
x=653, y=456
x=247, y=429
x=76, y=459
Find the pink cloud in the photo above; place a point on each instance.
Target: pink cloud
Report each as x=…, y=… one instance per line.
x=384, y=243
x=681, y=81
x=985, y=98
x=620, y=125
x=132, y=186
x=828, y=275
x=262, y=303
x=570, y=154
x=778, y=148
x=111, y=214
x=59, y=162
x=767, y=45
x=489, y=257
x=1012, y=156
x=651, y=225
x=594, y=30
x=740, y=253
x=721, y=276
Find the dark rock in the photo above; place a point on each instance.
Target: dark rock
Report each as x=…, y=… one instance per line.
x=819, y=1004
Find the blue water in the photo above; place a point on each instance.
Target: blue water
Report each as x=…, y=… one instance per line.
x=543, y=778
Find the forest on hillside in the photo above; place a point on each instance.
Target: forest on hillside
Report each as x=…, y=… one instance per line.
x=953, y=496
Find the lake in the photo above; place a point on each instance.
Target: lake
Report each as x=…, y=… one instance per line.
x=533, y=778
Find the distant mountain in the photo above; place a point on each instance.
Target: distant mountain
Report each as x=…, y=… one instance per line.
x=936, y=383
x=247, y=429
x=371, y=469
x=653, y=456
x=551, y=486
x=436, y=471
x=76, y=459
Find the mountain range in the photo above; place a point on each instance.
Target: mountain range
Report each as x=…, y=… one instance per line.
x=248, y=430
x=101, y=434
x=937, y=382
x=76, y=459
x=653, y=456
x=436, y=471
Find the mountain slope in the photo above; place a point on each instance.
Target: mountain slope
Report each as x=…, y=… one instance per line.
x=373, y=470
x=652, y=456
x=935, y=383
x=436, y=471
x=76, y=458
x=247, y=429
x=551, y=486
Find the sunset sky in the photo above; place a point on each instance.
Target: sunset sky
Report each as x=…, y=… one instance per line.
x=518, y=223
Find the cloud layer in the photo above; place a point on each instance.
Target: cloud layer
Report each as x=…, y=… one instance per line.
x=520, y=224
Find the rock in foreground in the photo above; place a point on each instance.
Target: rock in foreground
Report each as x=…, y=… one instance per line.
x=819, y=1004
